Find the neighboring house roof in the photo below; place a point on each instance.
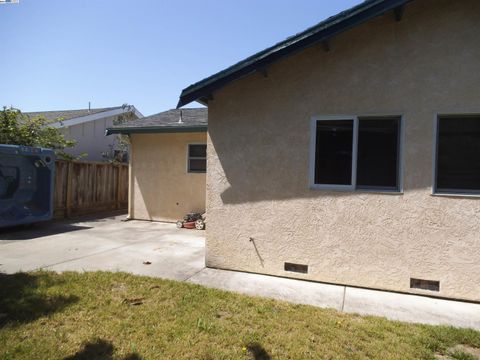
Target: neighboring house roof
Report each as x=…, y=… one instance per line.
x=175, y=120
x=369, y=9
x=57, y=115
x=66, y=118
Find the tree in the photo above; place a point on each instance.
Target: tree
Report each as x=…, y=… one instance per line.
x=118, y=152
x=19, y=129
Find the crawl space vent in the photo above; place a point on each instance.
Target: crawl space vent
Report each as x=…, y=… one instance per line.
x=298, y=268
x=430, y=285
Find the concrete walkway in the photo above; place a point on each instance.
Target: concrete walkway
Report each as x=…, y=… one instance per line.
x=112, y=245
x=394, y=306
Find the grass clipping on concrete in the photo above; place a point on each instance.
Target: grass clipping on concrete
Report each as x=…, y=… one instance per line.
x=101, y=315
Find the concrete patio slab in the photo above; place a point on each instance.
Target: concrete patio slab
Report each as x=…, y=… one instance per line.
x=177, y=259
x=107, y=244
x=110, y=244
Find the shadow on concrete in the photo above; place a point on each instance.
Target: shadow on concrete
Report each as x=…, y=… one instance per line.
x=33, y=231
x=258, y=352
x=99, y=350
x=259, y=166
x=21, y=301
x=98, y=217
x=29, y=232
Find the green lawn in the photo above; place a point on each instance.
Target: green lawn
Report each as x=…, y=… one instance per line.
x=99, y=315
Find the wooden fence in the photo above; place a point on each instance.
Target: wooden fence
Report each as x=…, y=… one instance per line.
x=86, y=187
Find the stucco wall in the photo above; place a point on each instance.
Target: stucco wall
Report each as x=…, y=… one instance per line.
x=258, y=151
x=161, y=187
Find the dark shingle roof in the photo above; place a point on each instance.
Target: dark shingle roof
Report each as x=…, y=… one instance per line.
x=62, y=115
x=175, y=120
x=321, y=32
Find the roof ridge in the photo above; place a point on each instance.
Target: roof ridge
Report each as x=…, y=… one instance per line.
x=193, y=119
x=66, y=110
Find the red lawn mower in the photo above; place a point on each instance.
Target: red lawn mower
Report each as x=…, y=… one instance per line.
x=192, y=221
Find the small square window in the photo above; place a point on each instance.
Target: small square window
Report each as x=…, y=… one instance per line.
x=197, y=158
x=458, y=155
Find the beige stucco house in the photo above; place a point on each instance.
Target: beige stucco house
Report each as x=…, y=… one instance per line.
x=167, y=164
x=87, y=127
x=350, y=153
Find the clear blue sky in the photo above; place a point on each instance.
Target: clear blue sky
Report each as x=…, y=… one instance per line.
x=59, y=54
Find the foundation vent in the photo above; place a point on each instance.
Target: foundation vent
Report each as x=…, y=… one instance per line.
x=298, y=268
x=430, y=285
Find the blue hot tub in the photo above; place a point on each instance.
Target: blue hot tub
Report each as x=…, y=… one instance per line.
x=27, y=177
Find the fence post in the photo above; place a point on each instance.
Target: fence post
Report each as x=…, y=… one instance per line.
x=118, y=194
x=69, y=192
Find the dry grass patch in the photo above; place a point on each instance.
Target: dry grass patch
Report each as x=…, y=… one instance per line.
x=102, y=315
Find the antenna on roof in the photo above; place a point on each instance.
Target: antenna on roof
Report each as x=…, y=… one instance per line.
x=89, y=106
x=180, y=120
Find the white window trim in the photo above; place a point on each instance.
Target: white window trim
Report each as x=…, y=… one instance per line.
x=353, y=186
x=436, y=133
x=194, y=158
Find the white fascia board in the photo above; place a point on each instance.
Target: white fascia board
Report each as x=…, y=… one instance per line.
x=92, y=117
x=138, y=113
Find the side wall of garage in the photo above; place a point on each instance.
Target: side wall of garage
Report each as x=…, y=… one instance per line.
x=161, y=188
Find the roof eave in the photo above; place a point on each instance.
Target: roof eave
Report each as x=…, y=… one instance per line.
x=203, y=100
x=206, y=87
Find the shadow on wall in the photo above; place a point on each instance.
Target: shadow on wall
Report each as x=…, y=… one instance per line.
x=268, y=161
x=99, y=350
x=21, y=302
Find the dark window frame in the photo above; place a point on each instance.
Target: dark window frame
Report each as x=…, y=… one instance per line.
x=435, y=189
x=189, y=158
x=353, y=187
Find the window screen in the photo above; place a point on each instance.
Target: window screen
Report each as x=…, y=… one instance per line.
x=197, y=158
x=458, y=154
x=333, y=153
x=377, y=159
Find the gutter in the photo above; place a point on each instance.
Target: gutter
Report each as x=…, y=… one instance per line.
x=155, y=129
